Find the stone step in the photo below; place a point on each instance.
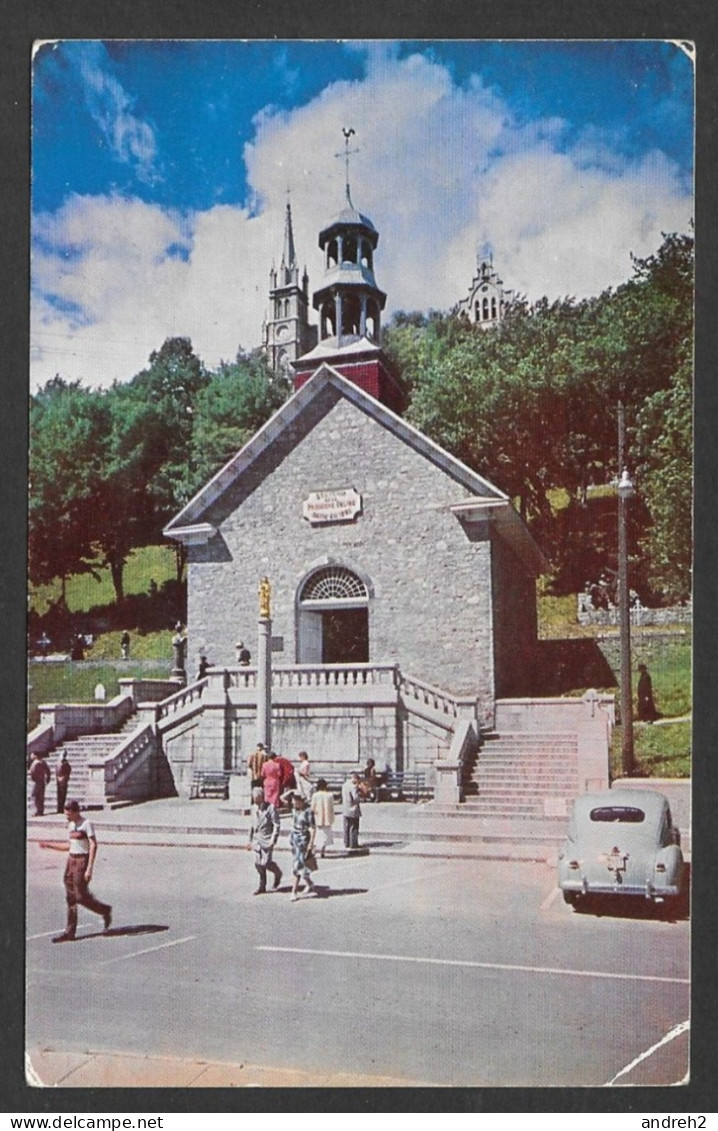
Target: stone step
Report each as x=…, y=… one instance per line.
x=529, y=736
x=563, y=790
x=499, y=809
x=496, y=773
x=524, y=763
x=544, y=784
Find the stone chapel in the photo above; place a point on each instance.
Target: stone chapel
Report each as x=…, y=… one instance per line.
x=400, y=578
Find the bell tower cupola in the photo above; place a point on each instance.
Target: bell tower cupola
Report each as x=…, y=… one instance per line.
x=350, y=305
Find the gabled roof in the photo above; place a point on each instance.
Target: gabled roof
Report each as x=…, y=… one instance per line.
x=191, y=524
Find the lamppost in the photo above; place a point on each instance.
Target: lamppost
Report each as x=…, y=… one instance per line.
x=264, y=666
x=625, y=492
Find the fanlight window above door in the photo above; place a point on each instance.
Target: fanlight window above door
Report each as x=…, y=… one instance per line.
x=334, y=583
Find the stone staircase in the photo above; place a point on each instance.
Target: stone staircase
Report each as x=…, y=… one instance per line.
x=80, y=752
x=522, y=775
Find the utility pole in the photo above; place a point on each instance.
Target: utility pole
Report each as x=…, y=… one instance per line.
x=625, y=492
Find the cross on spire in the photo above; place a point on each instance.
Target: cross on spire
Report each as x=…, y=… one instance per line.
x=347, y=134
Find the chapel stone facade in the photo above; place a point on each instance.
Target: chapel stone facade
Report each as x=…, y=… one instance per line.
x=392, y=564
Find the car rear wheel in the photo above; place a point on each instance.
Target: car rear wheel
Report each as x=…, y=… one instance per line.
x=571, y=897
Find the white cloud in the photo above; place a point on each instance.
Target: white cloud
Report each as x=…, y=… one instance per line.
x=440, y=170
x=131, y=139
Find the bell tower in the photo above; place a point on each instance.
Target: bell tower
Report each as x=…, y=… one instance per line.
x=486, y=301
x=287, y=333
x=350, y=303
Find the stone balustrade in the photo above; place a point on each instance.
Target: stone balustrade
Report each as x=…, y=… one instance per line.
x=71, y=720
x=127, y=771
x=173, y=704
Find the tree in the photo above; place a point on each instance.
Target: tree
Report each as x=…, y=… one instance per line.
x=532, y=405
x=664, y=446
x=148, y=468
x=237, y=400
x=67, y=445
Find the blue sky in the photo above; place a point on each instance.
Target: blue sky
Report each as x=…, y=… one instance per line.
x=161, y=169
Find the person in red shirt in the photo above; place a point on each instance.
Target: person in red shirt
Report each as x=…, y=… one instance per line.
x=287, y=781
x=272, y=780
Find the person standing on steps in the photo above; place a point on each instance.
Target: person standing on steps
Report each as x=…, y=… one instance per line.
x=63, y=769
x=255, y=761
x=351, y=811
x=78, y=872
x=40, y=776
x=263, y=835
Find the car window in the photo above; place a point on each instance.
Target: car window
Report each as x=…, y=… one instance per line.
x=625, y=814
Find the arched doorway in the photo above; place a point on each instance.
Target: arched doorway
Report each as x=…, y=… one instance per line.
x=333, y=618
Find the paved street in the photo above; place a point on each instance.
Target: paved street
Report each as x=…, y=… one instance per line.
x=402, y=970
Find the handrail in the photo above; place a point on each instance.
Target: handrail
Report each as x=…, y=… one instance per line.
x=174, y=703
x=132, y=748
x=442, y=701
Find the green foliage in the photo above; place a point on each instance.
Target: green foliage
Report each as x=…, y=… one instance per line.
x=532, y=405
x=237, y=400
x=665, y=446
x=67, y=426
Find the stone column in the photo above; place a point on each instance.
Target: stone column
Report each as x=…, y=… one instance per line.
x=264, y=666
x=338, y=317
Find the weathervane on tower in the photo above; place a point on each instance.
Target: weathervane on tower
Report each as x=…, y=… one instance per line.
x=347, y=134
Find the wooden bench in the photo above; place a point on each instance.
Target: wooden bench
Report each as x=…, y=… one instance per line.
x=210, y=783
x=404, y=785
x=399, y=785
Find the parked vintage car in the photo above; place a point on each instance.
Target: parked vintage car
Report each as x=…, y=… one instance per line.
x=621, y=842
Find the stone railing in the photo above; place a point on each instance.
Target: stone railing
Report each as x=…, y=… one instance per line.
x=449, y=771
x=41, y=740
x=173, y=704
x=71, y=720
x=126, y=773
x=315, y=676
x=419, y=693
x=148, y=690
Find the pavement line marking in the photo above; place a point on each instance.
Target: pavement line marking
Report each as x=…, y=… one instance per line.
x=676, y=1031
x=411, y=879
x=478, y=965
x=550, y=898
x=147, y=950
x=45, y=934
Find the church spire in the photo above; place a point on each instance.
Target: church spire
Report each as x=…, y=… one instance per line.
x=287, y=333
x=289, y=257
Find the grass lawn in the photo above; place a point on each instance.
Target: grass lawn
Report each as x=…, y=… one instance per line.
x=68, y=682
x=662, y=751
x=84, y=592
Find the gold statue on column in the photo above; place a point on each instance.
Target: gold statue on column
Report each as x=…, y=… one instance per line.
x=265, y=592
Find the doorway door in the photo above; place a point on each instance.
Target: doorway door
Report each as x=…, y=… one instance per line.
x=333, y=618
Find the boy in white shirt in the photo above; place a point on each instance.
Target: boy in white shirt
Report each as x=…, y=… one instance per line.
x=78, y=872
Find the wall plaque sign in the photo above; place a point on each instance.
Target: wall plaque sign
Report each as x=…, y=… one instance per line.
x=332, y=506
